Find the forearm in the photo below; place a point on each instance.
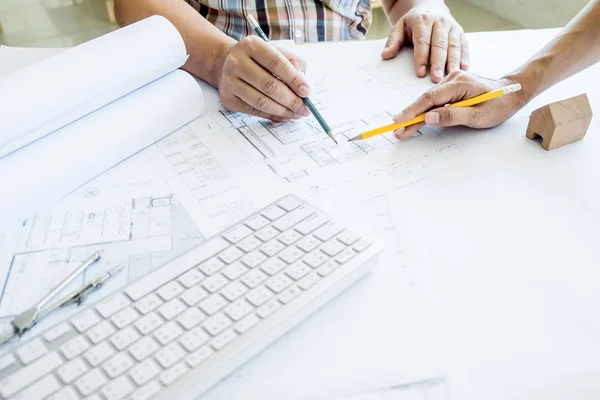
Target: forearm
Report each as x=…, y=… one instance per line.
x=395, y=9
x=206, y=45
x=573, y=50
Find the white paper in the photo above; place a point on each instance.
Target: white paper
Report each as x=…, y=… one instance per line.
x=49, y=94
x=43, y=172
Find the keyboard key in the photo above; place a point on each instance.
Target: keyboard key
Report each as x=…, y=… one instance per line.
x=211, y=266
x=328, y=231
x=268, y=308
x=234, y=290
x=235, y=270
x=254, y=278
x=7, y=361
x=39, y=390
x=289, y=294
x=327, y=268
x=170, y=290
x=238, y=233
x=361, y=245
x=273, y=213
x=308, y=280
x=98, y=354
x=272, y=247
x=231, y=254
x=168, y=332
x=101, y=331
x=345, y=255
x=91, y=381
x=193, y=295
x=267, y=233
x=148, y=323
x=191, y=318
x=143, y=348
x=169, y=355
x=311, y=223
x=112, y=304
x=180, y=265
x=124, y=338
x=216, y=324
x=172, y=309
x=56, y=332
x=146, y=392
x=148, y=303
x=85, y=320
x=191, y=278
x=32, y=350
x=249, y=244
x=66, y=393
x=29, y=374
x=289, y=237
x=293, y=218
x=212, y=304
x=297, y=270
x=74, y=347
x=120, y=363
x=348, y=237
x=291, y=254
x=273, y=266
x=118, y=389
x=259, y=296
x=278, y=283
x=245, y=324
x=215, y=282
x=223, y=339
x=144, y=372
x=333, y=247
x=315, y=258
x=173, y=374
x=257, y=222
x=238, y=310
x=72, y=370
x=308, y=243
x=289, y=203
x=253, y=259
x=199, y=356
x=194, y=339
x=125, y=317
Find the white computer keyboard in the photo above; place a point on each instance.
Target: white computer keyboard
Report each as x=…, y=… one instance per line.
x=179, y=330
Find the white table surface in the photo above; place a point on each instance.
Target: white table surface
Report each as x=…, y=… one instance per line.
x=509, y=242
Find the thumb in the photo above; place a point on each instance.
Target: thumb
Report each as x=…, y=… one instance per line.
x=394, y=42
x=452, y=116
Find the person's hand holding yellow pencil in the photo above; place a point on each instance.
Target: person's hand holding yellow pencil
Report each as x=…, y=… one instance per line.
x=456, y=87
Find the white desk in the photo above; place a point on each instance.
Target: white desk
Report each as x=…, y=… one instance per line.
x=513, y=256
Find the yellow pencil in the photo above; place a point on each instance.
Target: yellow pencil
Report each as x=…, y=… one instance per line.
x=421, y=117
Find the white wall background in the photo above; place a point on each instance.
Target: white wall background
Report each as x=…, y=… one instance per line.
x=533, y=13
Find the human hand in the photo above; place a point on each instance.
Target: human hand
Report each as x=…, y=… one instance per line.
x=438, y=40
x=458, y=86
x=249, y=82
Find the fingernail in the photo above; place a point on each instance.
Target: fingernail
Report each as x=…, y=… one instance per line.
x=398, y=133
x=437, y=73
x=298, y=115
x=304, y=111
x=398, y=117
x=432, y=118
x=304, y=91
x=422, y=70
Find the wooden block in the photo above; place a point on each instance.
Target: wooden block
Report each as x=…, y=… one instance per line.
x=561, y=123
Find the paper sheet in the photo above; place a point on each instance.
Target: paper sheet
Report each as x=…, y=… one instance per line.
x=49, y=94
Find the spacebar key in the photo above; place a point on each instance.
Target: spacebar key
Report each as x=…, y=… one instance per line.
x=176, y=267
x=29, y=374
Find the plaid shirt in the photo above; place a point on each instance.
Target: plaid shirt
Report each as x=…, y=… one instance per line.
x=299, y=20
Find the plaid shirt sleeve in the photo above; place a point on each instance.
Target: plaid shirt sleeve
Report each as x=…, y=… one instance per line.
x=299, y=20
